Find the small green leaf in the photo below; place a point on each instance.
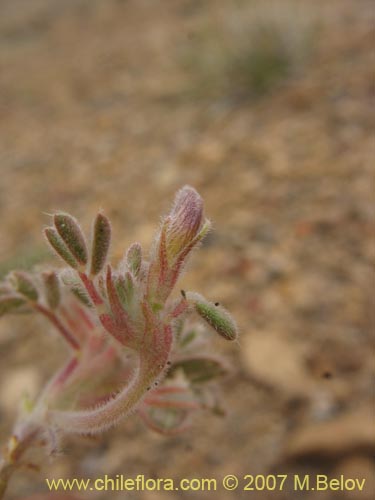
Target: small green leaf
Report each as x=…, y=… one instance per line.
x=10, y=303
x=81, y=295
x=59, y=246
x=24, y=284
x=52, y=288
x=100, y=243
x=71, y=233
x=125, y=288
x=134, y=258
x=70, y=279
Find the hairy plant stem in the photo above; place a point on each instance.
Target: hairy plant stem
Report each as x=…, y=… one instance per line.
x=101, y=418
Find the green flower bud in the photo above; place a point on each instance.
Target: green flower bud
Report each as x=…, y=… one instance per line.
x=10, y=303
x=134, y=258
x=100, y=243
x=52, y=289
x=24, y=284
x=215, y=315
x=71, y=233
x=59, y=246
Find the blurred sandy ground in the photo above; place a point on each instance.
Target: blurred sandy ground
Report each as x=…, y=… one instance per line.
x=103, y=106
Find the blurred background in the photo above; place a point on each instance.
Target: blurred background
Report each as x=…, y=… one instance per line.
x=264, y=107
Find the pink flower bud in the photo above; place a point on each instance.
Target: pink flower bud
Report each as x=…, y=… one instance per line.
x=184, y=221
x=182, y=230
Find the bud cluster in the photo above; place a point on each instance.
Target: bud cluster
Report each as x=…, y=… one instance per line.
x=131, y=345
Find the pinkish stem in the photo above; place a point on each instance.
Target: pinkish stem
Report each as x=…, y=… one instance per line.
x=68, y=336
x=151, y=367
x=91, y=290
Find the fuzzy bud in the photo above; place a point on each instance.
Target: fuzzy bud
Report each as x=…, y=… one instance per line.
x=52, y=289
x=134, y=258
x=100, y=243
x=125, y=288
x=59, y=246
x=71, y=233
x=70, y=279
x=10, y=303
x=185, y=221
x=24, y=284
x=216, y=316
